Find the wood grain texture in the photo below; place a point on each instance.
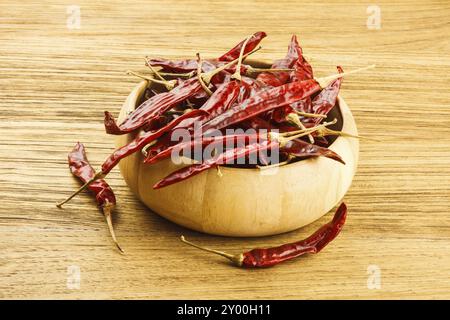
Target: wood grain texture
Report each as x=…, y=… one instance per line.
x=55, y=83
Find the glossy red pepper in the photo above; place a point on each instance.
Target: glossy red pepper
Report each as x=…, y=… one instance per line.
x=326, y=99
x=189, y=65
x=301, y=149
x=262, y=102
x=106, y=200
x=152, y=108
x=141, y=141
x=293, y=56
x=201, y=142
x=268, y=257
x=223, y=158
x=252, y=43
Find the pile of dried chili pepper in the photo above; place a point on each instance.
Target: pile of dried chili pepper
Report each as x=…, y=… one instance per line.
x=230, y=113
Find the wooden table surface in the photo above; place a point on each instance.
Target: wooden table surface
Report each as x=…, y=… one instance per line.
x=56, y=82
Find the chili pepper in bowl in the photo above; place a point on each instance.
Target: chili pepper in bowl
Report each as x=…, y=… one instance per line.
x=160, y=103
x=272, y=143
x=268, y=257
x=271, y=99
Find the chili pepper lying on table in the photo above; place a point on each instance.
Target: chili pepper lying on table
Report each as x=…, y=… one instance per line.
x=261, y=258
x=80, y=168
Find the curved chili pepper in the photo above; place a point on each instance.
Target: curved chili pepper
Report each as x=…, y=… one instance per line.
x=152, y=108
x=223, y=158
x=263, y=102
x=293, y=56
x=326, y=99
x=313, y=244
x=219, y=102
x=261, y=258
x=181, y=66
x=252, y=43
x=141, y=141
x=303, y=69
x=81, y=168
x=226, y=140
x=188, y=65
x=300, y=149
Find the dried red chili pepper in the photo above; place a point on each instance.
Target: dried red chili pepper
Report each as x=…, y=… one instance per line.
x=300, y=149
x=274, y=142
x=81, y=168
x=326, y=99
x=252, y=43
x=189, y=65
x=223, y=158
x=141, y=141
x=263, y=102
x=152, y=108
x=158, y=104
x=224, y=140
x=272, y=98
x=293, y=56
x=261, y=258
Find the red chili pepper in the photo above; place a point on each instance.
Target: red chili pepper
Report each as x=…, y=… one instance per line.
x=293, y=56
x=141, y=141
x=303, y=69
x=252, y=43
x=300, y=149
x=81, y=168
x=261, y=258
x=218, y=103
x=202, y=142
x=223, y=158
x=152, y=108
x=182, y=66
x=326, y=99
x=256, y=123
x=263, y=102
x=189, y=65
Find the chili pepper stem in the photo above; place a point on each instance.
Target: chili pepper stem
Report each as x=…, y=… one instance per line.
x=236, y=259
x=199, y=75
x=310, y=115
x=178, y=75
x=107, y=208
x=293, y=117
x=325, y=81
x=286, y=137
x=169, y=84
x=98, y=175
x=237, y=73
x=168, y=87
x=208, y=76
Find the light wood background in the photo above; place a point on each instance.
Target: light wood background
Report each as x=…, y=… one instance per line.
x=56, y=82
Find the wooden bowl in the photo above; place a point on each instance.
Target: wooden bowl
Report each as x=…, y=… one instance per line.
x=245, y=202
